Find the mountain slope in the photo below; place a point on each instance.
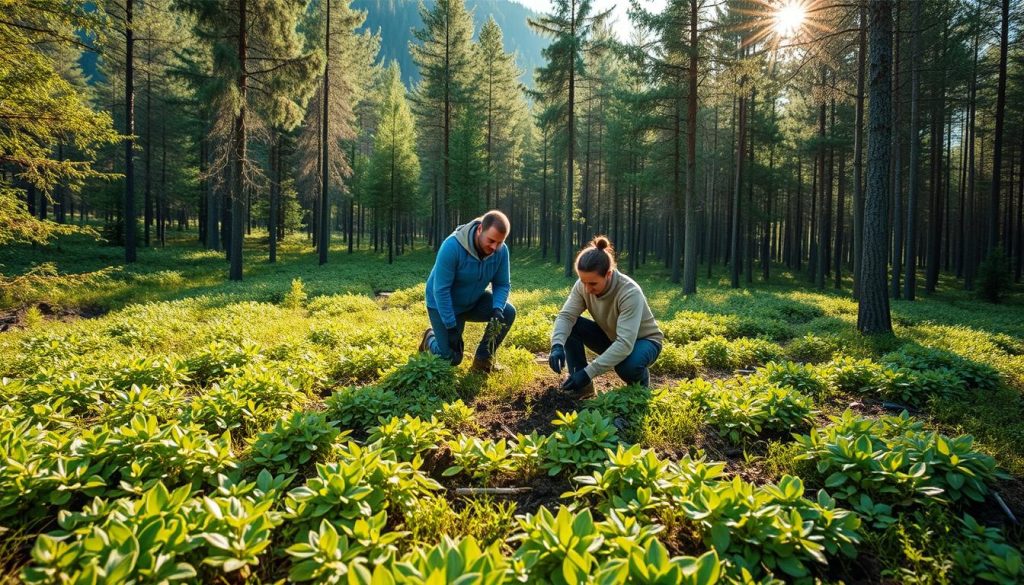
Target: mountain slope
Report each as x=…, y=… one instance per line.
x=396, y=20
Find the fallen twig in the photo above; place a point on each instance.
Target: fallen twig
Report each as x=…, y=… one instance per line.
x=507, y=491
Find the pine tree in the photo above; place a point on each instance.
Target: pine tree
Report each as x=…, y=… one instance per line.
x=394, y=166
x=443, y=54
x=345, y=80
x=256, y=45
x=500, y=94
x=38, y=110
x=570, y=25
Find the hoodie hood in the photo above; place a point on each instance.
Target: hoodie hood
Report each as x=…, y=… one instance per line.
x=465, y=235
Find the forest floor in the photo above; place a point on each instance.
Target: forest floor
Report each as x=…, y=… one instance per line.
x=955, y=363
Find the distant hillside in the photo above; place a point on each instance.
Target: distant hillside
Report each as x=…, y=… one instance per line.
x=396, y=20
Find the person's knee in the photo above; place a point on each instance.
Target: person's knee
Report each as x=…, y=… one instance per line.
x=510, y=314
x=631, y=373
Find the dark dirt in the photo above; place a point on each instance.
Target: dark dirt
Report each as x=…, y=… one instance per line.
x=11, y=319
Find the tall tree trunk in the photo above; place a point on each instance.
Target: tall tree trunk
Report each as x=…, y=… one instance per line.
x=571, y=142
x=840, y=222
x=325, y=199
x=241, y=138
x=969, y=235
x=148, y=185
x=822, y=232
x=275, y=187
x=897, y=170
x=676, y=207
x=936, y=211
x=734, y=246
x=910, y=249
x=997, y=152
x=873, y=309
x=690, y=247
x=129, y=133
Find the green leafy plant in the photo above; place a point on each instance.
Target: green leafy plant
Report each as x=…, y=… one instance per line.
x=744, y=408
x=457, y=416
x=296, y=297
x=812, y=348
x=361, y=408
x=250, y=400
x=803, y=378
x=295, y=442
x=847, y=374
x=651, y=565
x=894, y=461
x=217, y=359
x=578, y=442
x=360, y=485
x=486, y=461
x=408, y=437
x=424, y=374
x=676, y=361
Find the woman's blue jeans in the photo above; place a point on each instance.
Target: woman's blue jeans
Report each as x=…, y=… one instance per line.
x=587, y=334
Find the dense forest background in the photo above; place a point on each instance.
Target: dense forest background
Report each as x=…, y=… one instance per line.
x=873, y=146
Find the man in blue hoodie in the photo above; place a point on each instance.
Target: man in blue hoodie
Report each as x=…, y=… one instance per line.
x=472, y=257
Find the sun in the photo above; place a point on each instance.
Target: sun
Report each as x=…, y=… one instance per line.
x=789, y=18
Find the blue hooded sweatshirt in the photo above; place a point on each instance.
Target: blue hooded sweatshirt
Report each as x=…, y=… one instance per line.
x=460, y=277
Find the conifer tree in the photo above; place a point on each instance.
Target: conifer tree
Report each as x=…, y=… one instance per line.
x=569, y=25
x=255, y=46
x=38, y=110
x=443, y=53
x=345, y=81
x=394, y=166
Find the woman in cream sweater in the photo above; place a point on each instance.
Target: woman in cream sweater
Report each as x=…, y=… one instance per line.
x=623, y=331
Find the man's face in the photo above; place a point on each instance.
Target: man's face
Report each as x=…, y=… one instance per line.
x=594, y=283
x=489, y=240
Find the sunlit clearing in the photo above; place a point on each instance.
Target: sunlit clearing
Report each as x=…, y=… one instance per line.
x=789, y=17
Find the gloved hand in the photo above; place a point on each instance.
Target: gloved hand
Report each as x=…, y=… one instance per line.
x=577, y=381
x=455, y=341
x=497, y=318
x=556, y=359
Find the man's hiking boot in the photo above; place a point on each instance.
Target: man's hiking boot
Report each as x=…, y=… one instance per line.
x=485, y=365
x=425, y=342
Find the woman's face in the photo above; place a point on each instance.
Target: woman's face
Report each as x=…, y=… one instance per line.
x=594, y=283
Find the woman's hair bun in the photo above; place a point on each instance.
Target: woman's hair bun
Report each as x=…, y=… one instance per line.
x=601, y=242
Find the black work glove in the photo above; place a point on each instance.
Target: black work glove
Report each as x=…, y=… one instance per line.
x=577, y=381
x=556, y=359
x=497, y=318
x=455, y=341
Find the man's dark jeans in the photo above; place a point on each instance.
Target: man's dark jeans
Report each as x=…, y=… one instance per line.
x=632, y=370
x=480, y=313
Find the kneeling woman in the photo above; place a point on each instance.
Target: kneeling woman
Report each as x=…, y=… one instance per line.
x=623, y=331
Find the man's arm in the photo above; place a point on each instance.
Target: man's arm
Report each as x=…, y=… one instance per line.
x=571, y=310
x=444, y=277
x=501, y=284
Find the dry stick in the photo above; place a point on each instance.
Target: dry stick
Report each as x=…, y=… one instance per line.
x=507, y=430
x=1006, y=509
x=510, y=491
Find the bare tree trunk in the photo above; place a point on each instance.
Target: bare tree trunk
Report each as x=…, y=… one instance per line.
x=325, y=199
x=897, y=172
x=997, y=153
x=129, y=132
x=873, y=309
x=858, y=155
x=734, y=247
x=910, y=257
x=690, y=223
x=237, y=200
x=969, y=236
